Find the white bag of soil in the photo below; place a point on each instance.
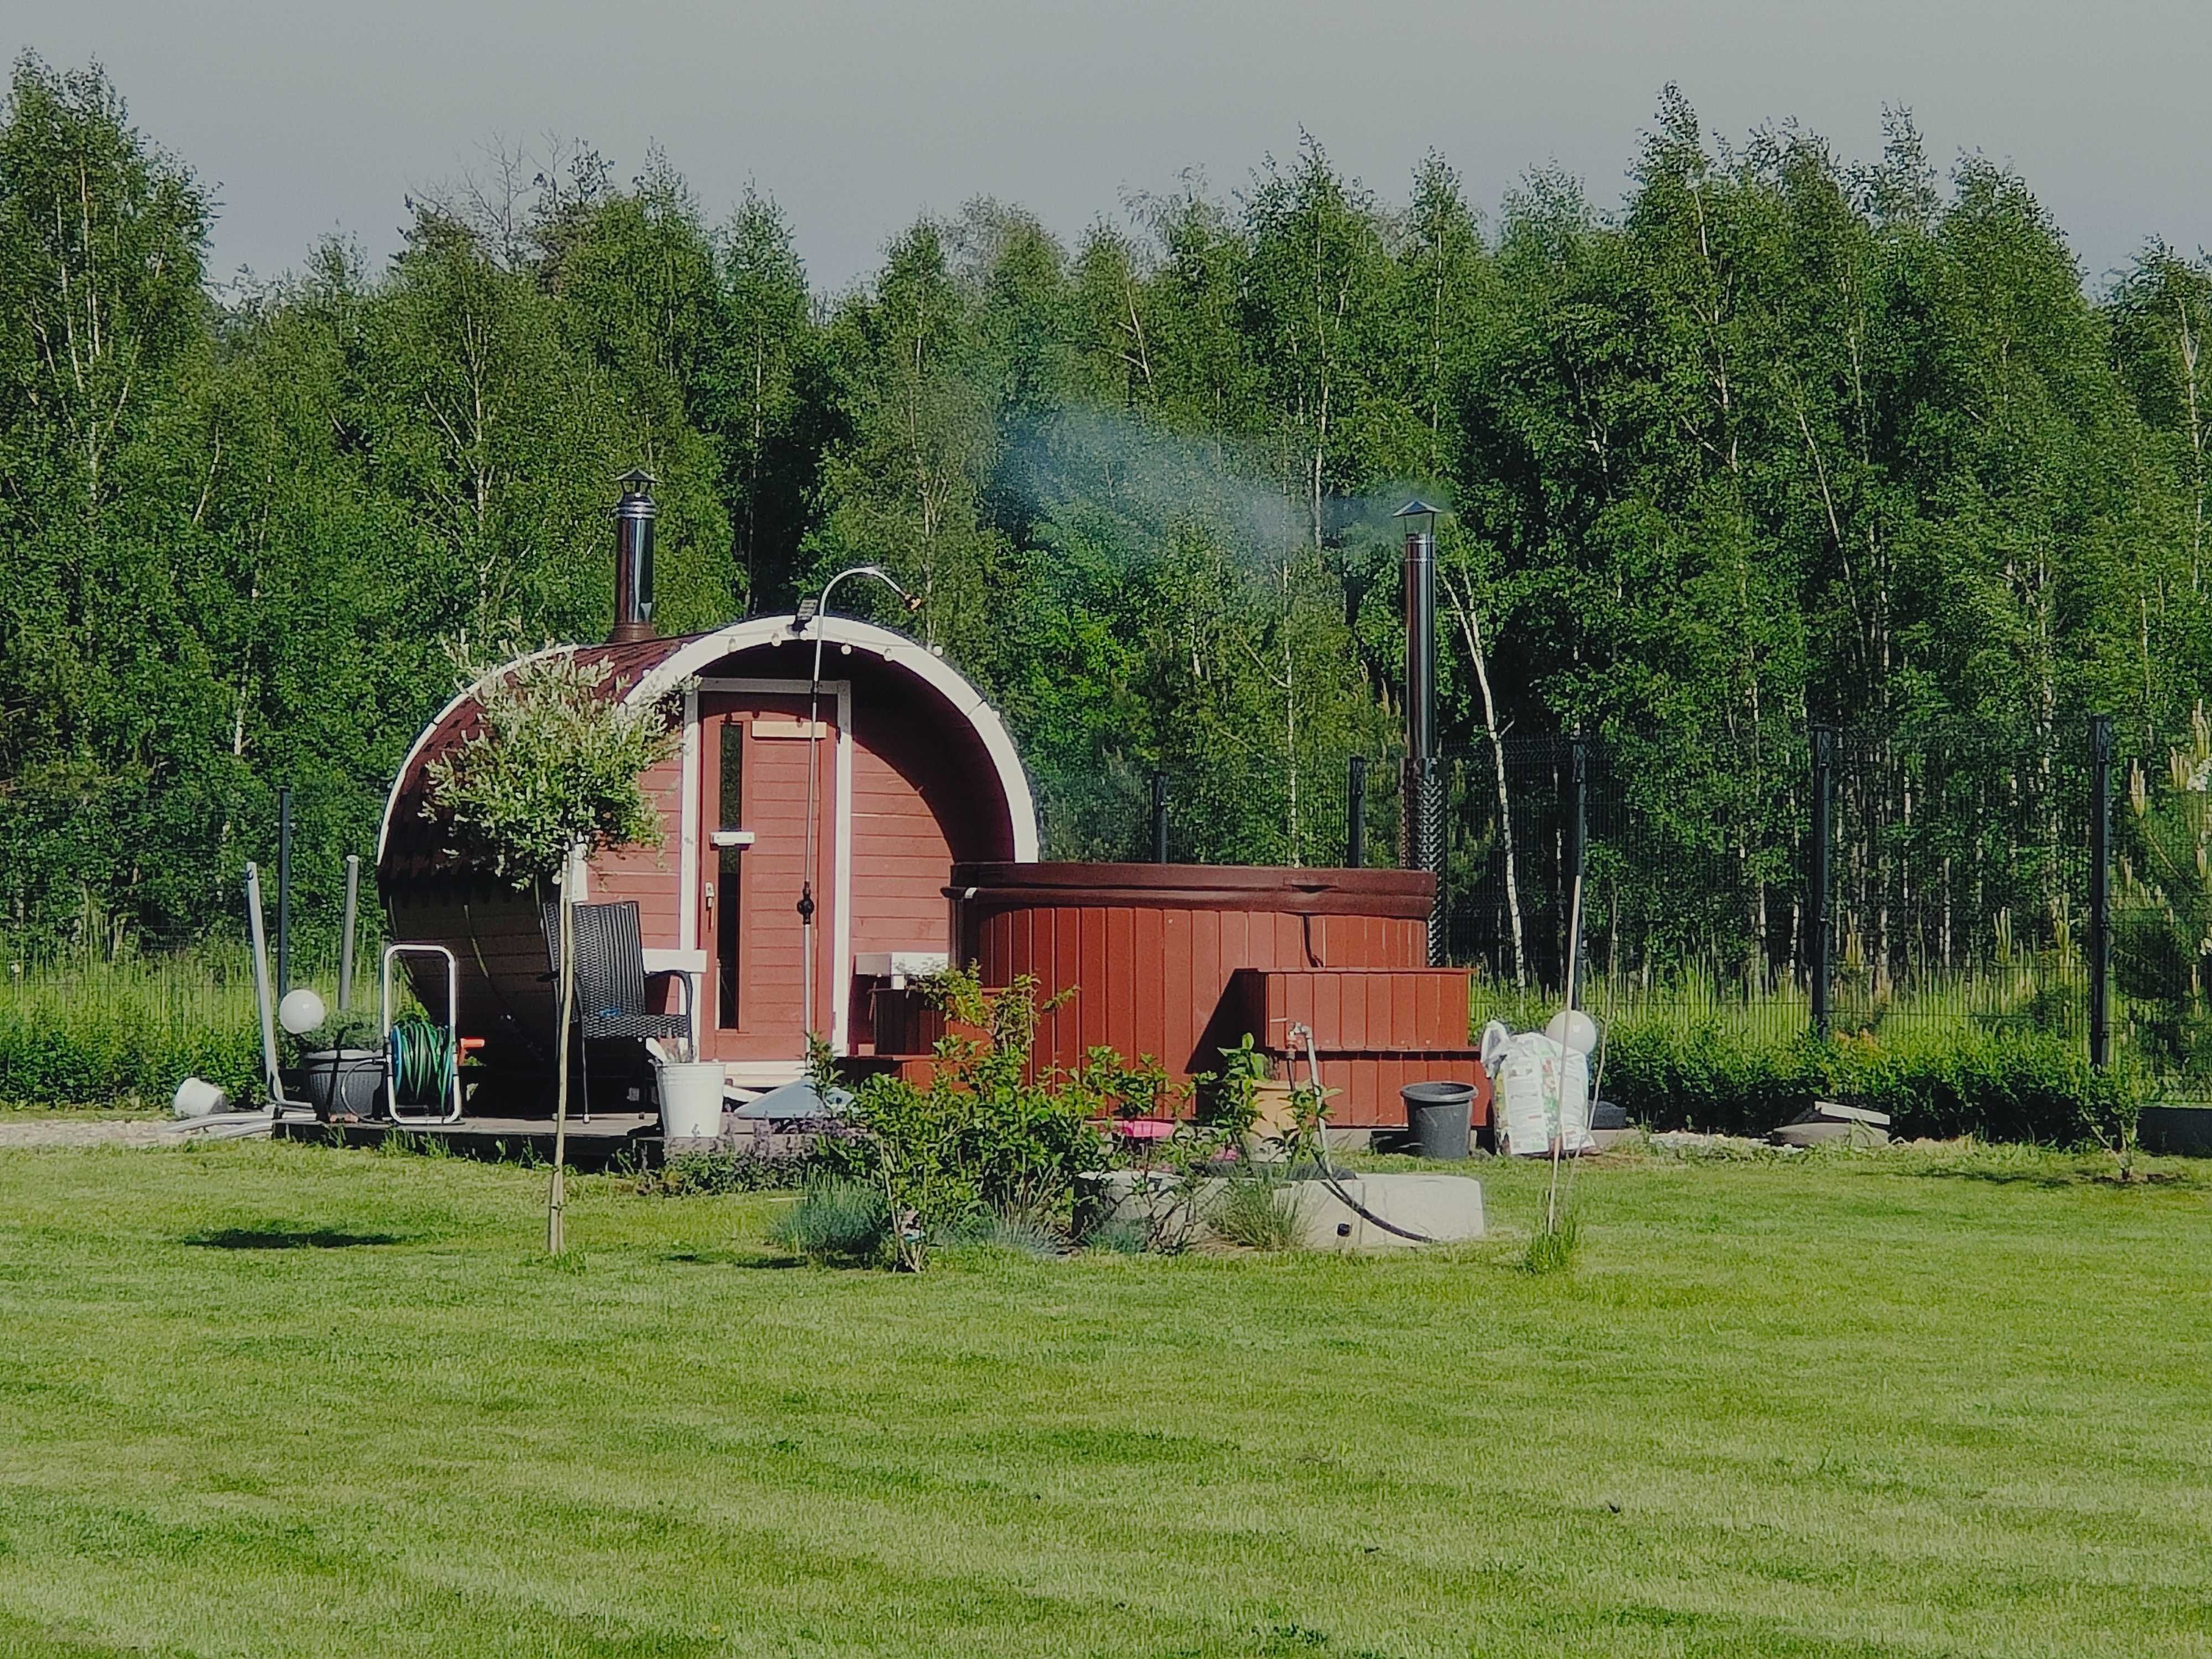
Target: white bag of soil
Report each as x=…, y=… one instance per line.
x=1541, y=1091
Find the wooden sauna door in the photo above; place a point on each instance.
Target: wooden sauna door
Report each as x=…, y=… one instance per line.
x=753, y=753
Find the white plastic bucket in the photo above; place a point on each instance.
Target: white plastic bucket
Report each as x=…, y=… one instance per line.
x=690, y=1099
x=198, y=1097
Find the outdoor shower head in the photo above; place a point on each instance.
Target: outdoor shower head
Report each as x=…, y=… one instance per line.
x=913, y=602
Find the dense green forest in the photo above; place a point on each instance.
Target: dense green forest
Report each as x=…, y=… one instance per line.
x=1780, y=437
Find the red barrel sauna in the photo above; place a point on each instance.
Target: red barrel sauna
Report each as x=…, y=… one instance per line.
x=1179, y=961
x=914, y=773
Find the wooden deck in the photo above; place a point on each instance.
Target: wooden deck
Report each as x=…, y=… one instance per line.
x=610, y=1138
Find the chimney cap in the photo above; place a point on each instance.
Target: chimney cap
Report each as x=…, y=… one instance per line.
x=636, y=482
x=1416, y=509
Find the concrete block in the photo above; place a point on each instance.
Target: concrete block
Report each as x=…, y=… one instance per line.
x=1827, y=1133
x=1445, y=1208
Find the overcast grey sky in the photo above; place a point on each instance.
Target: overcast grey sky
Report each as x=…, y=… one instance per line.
x=308, y=116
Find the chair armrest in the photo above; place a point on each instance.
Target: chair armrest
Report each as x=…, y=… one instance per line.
x=690, y=986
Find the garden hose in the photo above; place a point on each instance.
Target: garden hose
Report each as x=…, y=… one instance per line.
x=422, y=1063
x=1328, y=1174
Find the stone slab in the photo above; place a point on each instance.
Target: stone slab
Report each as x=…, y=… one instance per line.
x=1828, y=1133
x=1442, y=1208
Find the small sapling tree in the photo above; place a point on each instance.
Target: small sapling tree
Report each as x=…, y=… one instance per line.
x=550, y=780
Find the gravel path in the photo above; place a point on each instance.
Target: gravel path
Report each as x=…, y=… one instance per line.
x=61, y=1130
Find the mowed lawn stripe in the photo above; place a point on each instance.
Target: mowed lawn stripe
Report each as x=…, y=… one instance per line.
x=268, y=1399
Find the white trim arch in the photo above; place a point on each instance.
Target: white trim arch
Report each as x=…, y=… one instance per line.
x=415, y=749
x=703, y=650
x=687, y=657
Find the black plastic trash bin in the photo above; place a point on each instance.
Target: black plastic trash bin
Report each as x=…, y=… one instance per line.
x=1441, y=1116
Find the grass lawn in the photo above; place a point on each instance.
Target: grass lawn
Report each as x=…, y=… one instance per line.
x=265, y=1399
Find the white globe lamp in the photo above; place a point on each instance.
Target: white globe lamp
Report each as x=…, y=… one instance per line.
x=300, y=1012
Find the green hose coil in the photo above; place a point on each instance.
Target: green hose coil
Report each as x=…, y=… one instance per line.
x=422, y=1063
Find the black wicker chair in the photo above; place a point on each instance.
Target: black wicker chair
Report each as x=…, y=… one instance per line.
x=611, y=981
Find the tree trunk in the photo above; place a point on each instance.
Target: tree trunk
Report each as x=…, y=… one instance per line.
x=556, y=1191
x=1471, y=629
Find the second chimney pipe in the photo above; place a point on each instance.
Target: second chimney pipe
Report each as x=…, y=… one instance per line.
x=1421, y=815
x=634, y=516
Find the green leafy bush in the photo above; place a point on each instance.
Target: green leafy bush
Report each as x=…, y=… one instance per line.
x=990, y=1134
x=1673, y=1075
x=85, y=1031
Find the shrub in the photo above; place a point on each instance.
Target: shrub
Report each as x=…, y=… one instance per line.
x=85, y=1031
x=988, y=1135
x=689, y=1175
x=1674, y=1074
x=838, y=1222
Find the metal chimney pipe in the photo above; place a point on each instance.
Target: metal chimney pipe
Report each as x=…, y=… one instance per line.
x=634, y=517
x=1421, y=807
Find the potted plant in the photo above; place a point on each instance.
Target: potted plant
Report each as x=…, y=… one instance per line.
x=549, y=779
x=339, y=1067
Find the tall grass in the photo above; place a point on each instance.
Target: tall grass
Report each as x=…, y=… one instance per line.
x=86, y=1030
x=1991, y=1055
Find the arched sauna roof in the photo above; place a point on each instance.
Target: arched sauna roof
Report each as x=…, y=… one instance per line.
x=645, y=670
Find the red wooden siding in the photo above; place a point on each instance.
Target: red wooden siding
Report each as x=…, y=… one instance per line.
x=653, y=877
x=1177, y=963
x=903, y=849
x=1404, y=1010
x=1148, y=981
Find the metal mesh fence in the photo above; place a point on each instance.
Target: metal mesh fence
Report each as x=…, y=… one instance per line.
x=1956, y=885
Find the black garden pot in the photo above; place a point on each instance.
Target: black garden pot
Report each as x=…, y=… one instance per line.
x=342, y=1083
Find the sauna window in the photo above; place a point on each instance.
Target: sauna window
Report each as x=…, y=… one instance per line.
x=729, y=873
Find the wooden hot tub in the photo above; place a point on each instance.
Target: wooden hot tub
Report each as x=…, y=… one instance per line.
x=1179, y=961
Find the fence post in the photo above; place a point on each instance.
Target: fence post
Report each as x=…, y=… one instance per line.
x=1578, y=806
x=345, y=948
x=2100, y=889
x=1159, y=818
x=1436, y=793
x=1817, y=926
x=1355, y=815
x=283, y=892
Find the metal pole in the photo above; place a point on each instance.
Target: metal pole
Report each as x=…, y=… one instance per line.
x=283, y=892
x=1355, y=815
x=266, y=1004
x=1420, y=599
x=345, y=950
x=2100, y=889
x=1818, y=926
x=1421, y=810
x=1159, y=818
x=1579, y=825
